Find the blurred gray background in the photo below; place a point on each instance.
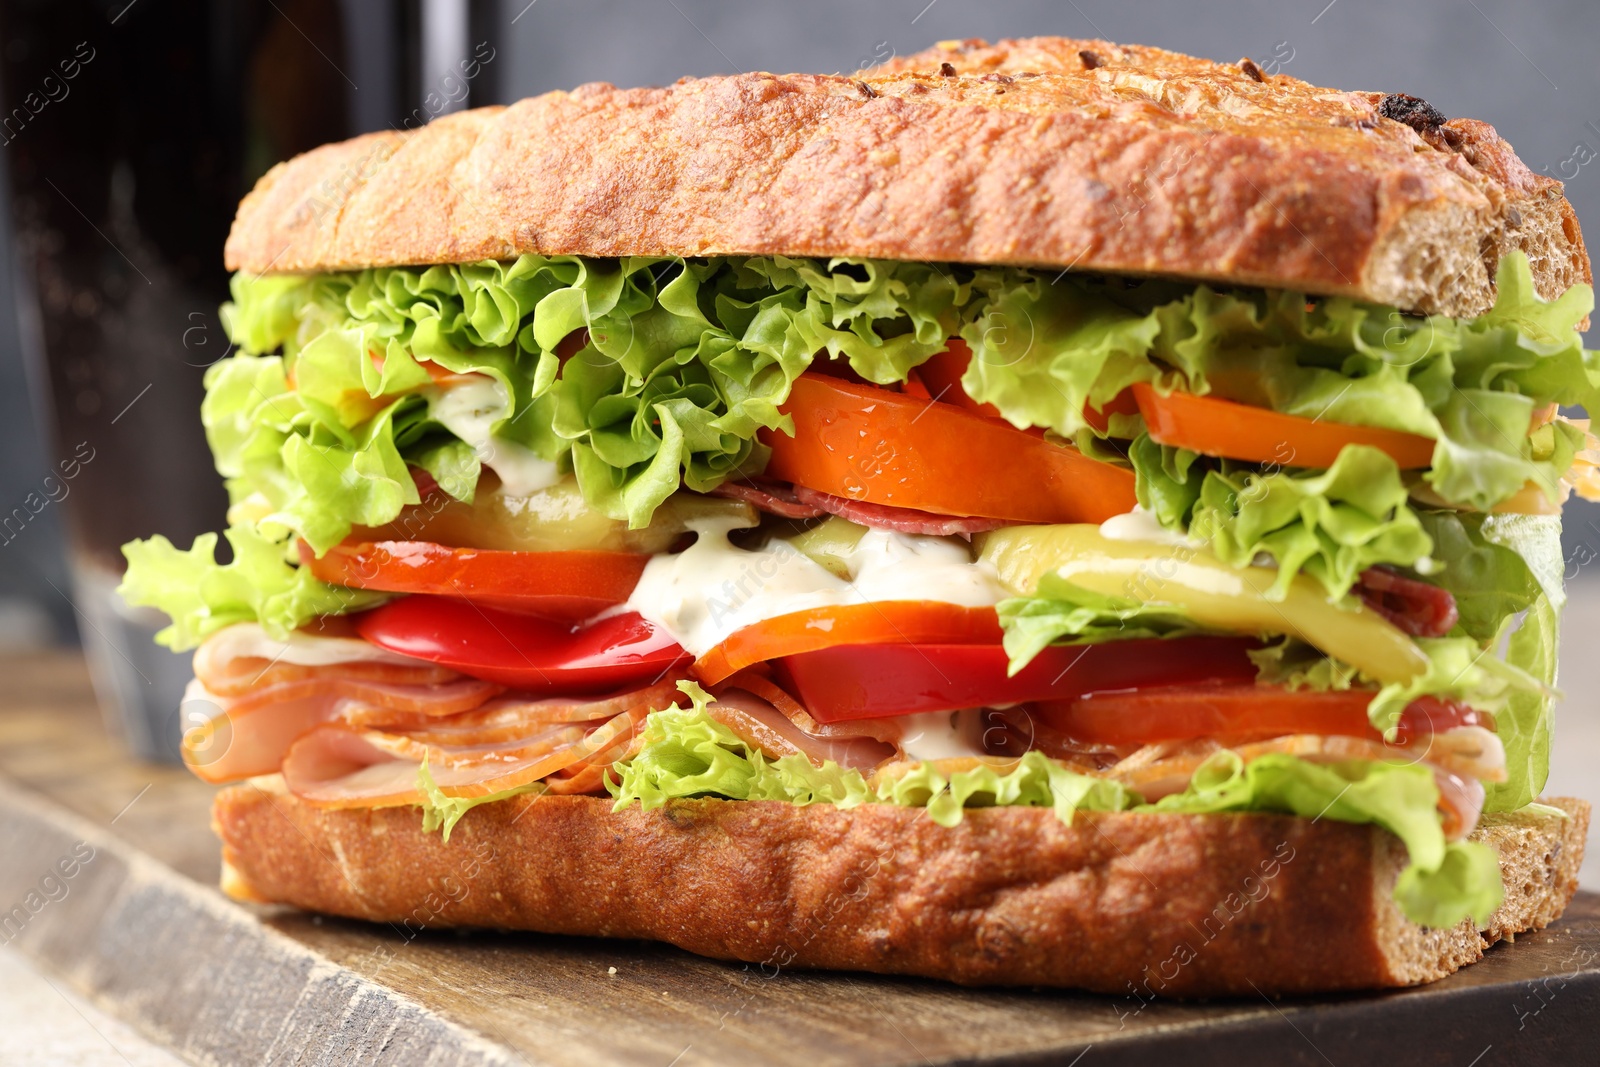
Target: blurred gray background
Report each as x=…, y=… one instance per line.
x=1526, y=67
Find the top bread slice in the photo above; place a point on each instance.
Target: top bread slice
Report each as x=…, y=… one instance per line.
x=1046, y=152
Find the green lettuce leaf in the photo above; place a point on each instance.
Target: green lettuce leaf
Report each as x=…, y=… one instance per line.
x=1494, y=565
x=1294, y=664
x=1505, y=572
x=1034, y=781
x=1331, y=524
x=203, y=596
x=1462, y=669
x=1443, y=883
x=687, y=753
x=1166, y=480
x=1042, y=351
x=441, y=812
x=685, y=362
x=1525, y=723
x=1063, y=611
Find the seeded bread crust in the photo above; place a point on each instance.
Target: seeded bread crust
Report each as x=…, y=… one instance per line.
x=1046, y=152
x=1171, y=904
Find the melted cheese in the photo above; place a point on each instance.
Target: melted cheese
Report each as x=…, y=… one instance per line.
x=712, y=589
x=470, y=410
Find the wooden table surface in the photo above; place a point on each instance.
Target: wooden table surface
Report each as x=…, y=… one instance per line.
x=141, y=930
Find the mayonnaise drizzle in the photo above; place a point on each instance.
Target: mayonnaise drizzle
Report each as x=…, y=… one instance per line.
x=470, y=410
x=712, y=589
x=931, y=735
x=1142, y=525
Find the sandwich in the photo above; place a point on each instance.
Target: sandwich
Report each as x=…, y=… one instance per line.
x=1048, y=513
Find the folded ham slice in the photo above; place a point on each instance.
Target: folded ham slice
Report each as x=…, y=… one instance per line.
x=337, y=766
x=242, y=658
x=507, y=717
x=762, y=726
x=420, y=746
x=252, y=733
x=507, y=744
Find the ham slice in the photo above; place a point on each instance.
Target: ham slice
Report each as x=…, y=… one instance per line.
x=336, y=766
x=242, y=658
x=902, y=520
x=764, y=727
x=514, y=750
x=506, y=717
x=252, y=733
x=508, y=744
x=247, y=674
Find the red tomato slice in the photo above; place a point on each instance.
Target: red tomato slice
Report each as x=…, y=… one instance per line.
x=1141, y=716
x=526, y=653
x=889, y=622
x=1217, y=427
x=941, y=376
x=849, y=682
x=865, y=443
x=562, y=585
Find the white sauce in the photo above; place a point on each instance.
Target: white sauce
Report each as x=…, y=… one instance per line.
x=470, y=410
x=1142, y=525
x=932, y=735
x=308, y=650
x=712, y=589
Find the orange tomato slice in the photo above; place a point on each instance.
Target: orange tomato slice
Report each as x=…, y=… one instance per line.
x=889, y=622
x=1216, y=427
x=865, y=443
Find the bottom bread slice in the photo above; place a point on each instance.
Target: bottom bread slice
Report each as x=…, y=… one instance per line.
x=1157, y=904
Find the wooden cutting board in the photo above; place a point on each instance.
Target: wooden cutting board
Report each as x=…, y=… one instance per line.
x=138, y=926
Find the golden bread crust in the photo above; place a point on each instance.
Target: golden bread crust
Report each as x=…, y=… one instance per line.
x=1149, y=162
x=1161, y=904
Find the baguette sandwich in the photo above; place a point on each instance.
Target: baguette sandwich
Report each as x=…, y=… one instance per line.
x=1046, y=513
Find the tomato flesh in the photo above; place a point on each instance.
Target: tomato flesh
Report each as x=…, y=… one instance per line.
x=941, y=376
x=875, y=625
x=527, y=653
x=848, y=682
x=865, y=443
x=1237, y=712
x=1217, y=427
x=562, y=585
